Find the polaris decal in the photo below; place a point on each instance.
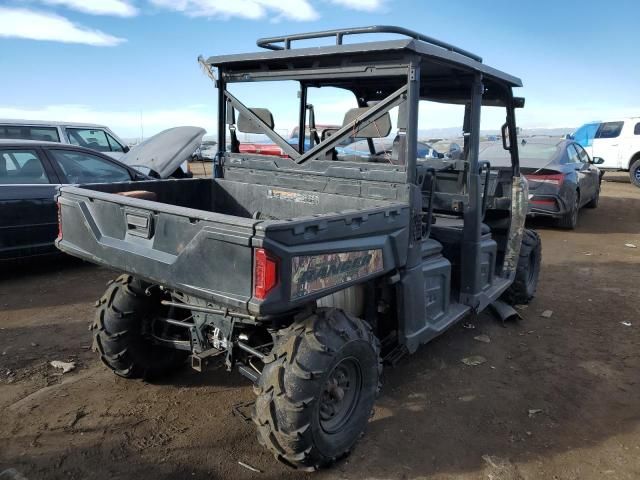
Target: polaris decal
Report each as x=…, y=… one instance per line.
x=312, y=273
x=293, y=197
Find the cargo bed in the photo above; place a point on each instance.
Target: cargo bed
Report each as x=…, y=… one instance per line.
x=198, y=236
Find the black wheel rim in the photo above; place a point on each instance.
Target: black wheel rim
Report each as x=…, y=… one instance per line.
x=637, y=174
x=340, y=395
x=574, y=213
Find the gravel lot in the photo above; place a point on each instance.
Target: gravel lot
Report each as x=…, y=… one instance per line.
x=556, y=399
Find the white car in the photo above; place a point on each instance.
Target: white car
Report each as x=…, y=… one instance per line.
x=208, y=149
x=617, y=142
x=88, y=135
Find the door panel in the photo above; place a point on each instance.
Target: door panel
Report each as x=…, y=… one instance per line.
x=591, y=172
x=582, y=173
x=606, y=144
x=28, y=215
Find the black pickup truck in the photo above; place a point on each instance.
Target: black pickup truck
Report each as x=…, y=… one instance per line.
x=307, y=272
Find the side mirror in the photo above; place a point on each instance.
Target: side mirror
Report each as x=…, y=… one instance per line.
x=597, y=160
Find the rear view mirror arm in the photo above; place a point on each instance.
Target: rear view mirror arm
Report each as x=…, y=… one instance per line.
x=257, y=121
x=396, y=98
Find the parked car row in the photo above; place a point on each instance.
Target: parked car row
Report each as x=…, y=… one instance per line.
x=88, y=135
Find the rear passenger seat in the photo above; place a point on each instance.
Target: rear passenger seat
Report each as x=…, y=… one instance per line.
x=449, y=229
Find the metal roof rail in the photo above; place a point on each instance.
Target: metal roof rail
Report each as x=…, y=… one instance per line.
x=271, y=42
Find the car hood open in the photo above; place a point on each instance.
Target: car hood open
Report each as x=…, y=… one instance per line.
x=164, y=152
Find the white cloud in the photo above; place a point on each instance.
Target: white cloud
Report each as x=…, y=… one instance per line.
x=300, y=10
x=125, y=123
x=35, y=25
x=118, y=8
x=362, y=5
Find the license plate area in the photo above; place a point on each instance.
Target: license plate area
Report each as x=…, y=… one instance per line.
x=139, y=223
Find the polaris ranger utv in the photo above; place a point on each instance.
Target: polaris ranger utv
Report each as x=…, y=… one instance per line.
x=305, y=272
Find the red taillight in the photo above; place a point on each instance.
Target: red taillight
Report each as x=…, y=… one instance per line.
x=59, y=222
x=265, y=273
x=541, y=201
x=555, y=179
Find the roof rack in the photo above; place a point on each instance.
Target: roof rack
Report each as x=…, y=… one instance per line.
x=271, y=42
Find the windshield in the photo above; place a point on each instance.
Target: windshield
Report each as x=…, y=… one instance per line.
x=532, y=153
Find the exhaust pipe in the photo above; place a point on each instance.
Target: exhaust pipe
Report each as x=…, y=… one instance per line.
x=504, y=311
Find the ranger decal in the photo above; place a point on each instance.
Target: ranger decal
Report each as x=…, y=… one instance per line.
x=295, y=197
x=311, y=273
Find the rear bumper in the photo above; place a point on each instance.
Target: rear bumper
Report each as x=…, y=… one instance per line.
x=552, y=206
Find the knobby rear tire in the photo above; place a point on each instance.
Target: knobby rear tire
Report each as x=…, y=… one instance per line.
x=290, y=409
x=525, y=283
x=123, y=318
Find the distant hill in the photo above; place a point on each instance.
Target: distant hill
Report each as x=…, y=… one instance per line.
x=454, y=132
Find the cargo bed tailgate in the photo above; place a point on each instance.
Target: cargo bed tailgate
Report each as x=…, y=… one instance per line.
x=197, y=252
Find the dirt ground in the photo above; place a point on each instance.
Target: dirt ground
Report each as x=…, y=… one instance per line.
x=556, y=399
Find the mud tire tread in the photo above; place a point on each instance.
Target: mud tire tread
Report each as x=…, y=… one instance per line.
x=286, y=391
x=118, y=332
x=522, y=290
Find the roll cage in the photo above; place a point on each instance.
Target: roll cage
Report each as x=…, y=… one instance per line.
x=382, y=75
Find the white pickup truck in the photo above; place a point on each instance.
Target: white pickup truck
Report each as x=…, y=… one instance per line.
x=617, y=142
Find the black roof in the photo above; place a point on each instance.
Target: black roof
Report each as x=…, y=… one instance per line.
x=438, y=58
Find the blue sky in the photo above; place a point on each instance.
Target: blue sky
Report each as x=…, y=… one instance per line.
x=106, y=61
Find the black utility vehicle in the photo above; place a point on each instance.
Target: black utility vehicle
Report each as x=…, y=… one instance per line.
x=307, y=272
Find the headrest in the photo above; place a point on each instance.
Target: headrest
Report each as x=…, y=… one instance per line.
x=378, y=128
x=247, y=126
x=33, y=168
x=327, y=132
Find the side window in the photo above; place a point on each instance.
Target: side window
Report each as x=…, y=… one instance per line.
x=21, y=167
x=80, y=167
x=114, y=144
x=636, y=129
x=609, y=130
x=25, y=132
x=92, y=138
x=582, y=155
x=573, y=154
